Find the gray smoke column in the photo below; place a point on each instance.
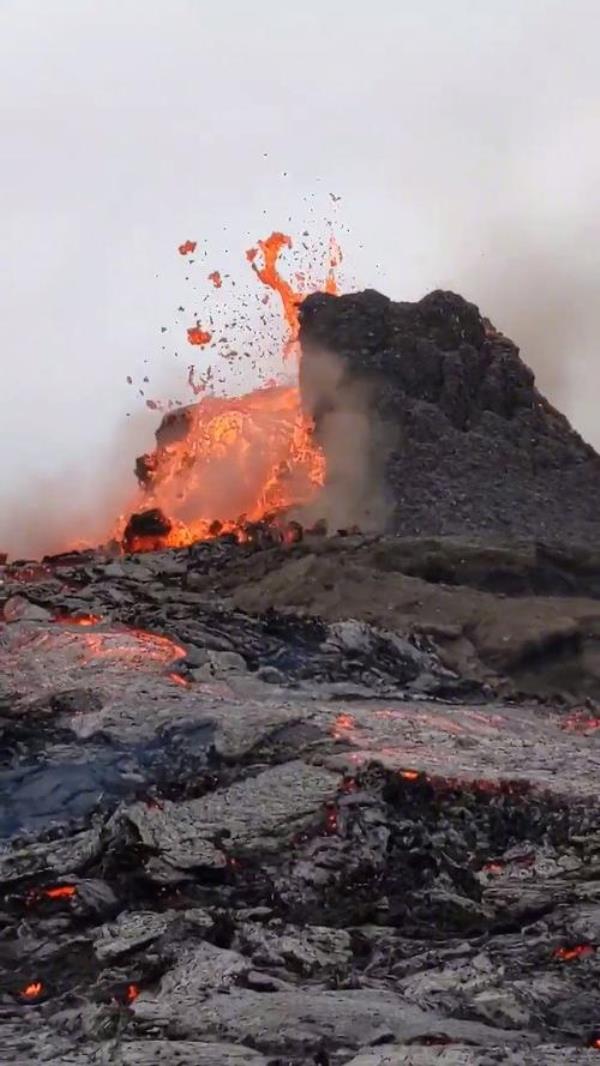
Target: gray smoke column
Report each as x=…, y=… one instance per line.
x=355, y=442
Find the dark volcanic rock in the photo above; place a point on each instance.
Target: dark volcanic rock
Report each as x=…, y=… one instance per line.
x=468, y=441
x=264, y=804
x=151, y=524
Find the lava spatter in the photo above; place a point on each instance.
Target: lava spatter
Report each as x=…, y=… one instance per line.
x=198, y=336
x=269, y=274
x=234, y=459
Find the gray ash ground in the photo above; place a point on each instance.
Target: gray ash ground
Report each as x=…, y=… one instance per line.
x=259, y=811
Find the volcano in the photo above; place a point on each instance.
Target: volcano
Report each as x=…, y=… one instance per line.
x=304, y=769
x=412, y=418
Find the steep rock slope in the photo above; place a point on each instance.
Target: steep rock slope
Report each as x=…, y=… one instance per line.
x=459, y=436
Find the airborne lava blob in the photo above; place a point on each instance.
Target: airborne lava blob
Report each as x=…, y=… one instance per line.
x=223, y=462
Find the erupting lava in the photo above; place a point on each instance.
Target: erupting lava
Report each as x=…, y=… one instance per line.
x=225, y=462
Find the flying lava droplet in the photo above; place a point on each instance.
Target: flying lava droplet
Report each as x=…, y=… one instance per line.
x=196, y=335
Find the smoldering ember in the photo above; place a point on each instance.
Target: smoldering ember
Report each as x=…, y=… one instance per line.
x=321, y=788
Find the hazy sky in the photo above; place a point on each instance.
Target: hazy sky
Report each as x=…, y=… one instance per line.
x=463, y=139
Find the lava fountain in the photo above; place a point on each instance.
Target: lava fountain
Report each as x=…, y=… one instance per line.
x=224, y=462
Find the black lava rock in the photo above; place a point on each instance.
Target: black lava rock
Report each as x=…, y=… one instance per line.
x=469, y=444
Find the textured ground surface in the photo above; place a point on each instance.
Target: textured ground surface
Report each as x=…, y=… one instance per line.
x=291, y=807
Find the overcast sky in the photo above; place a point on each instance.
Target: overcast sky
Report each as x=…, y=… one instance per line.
x=462, y=138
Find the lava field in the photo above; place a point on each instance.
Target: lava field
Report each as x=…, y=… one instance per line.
x=275, y=835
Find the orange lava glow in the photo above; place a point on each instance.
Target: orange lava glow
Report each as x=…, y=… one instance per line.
x=78, y=619
x=577, y=952
x=196, y=335
x=216, y=279
x=271, y=249
x=33, y=990
x=59, y=892
x=132, y=992
x=187, y=247
x=409, y=775
x=253, y=452
x=226, y=462
x=53, y=892
x=177, y=679
x=343, y=727
x=120, y=647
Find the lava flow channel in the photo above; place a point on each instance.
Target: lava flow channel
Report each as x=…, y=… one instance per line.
x=234, y=459
x=41, y=659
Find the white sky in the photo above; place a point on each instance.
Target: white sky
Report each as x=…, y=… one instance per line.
x=462, y=137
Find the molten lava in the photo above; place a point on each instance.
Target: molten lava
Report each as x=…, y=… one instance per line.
x=196, y=335
x=177, y=679
x=54, y=892
x=237, y=460
x=187, y=247
x=78, y=619
x=579, y=951
x=269, y=274
x=32, y=990
x=344, y=727
x=131, y=646
x=132, y=992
